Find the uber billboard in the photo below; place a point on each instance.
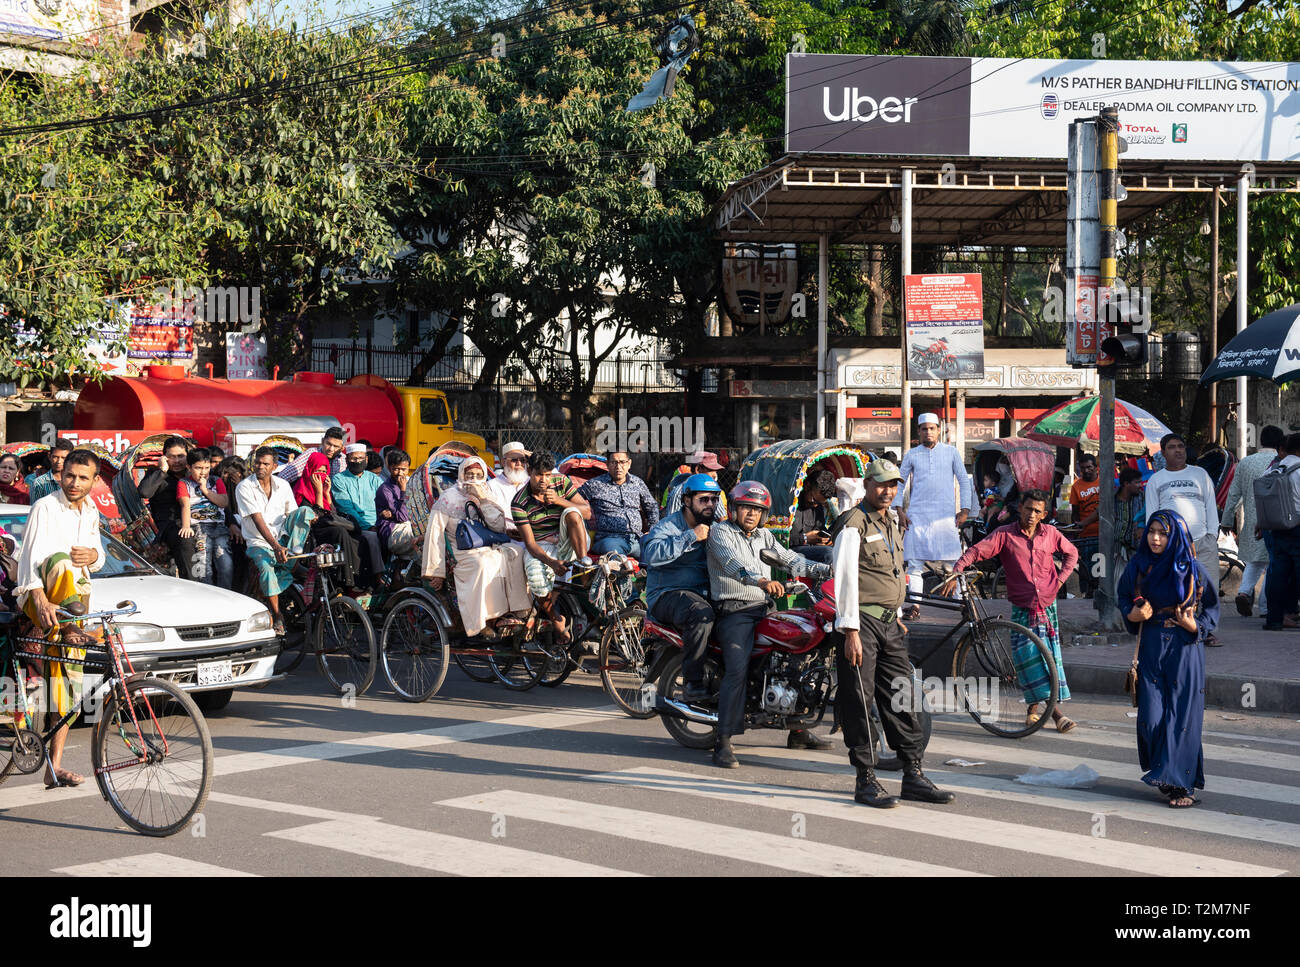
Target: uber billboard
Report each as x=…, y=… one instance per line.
x=851, y=104
x=1000, y=107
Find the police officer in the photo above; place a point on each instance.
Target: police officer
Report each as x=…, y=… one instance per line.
x=869, y=588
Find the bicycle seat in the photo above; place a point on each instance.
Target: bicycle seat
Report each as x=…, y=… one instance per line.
x=77, y=608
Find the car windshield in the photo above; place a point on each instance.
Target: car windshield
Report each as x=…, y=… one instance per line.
x=118, y=558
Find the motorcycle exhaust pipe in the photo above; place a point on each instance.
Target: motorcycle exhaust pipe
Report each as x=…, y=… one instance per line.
x=670, y=707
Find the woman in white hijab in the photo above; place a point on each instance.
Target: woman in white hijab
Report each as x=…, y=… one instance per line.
x=489, y=580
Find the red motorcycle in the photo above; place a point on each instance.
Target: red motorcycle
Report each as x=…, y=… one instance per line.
x=791, y=680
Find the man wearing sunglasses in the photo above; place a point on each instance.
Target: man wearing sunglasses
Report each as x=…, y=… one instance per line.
x=677, y=576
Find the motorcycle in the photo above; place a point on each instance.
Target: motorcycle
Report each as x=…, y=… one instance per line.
x=791, y=681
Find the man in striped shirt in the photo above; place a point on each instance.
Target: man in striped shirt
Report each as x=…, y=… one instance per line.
x=551, y=516
x=739, y=586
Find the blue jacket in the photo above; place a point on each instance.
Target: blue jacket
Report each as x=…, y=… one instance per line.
x=675, y=560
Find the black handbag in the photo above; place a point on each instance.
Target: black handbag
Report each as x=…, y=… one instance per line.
x=473, y=533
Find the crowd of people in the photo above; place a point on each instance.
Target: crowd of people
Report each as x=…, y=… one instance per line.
x=504, y=538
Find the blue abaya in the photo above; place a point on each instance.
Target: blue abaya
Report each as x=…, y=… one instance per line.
x=1171, y=687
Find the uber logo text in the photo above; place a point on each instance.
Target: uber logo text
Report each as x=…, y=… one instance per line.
x=107, y=921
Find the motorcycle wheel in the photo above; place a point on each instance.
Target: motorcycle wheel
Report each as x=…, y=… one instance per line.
x=693, y=735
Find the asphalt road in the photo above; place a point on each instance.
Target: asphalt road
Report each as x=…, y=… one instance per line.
x=483, y=781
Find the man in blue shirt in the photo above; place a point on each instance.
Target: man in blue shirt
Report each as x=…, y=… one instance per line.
x=677, y=576
x=43, y=484
x=621, y=507
x=354, y=492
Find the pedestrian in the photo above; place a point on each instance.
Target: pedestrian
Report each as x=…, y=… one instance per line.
x=1085, y=504
x=869, y=587
x=928, y=516
x=1130, y=517
x=1283, y=580
x=1170, y=601
x=1241, y=493
x=702, y=461
x=622, y=509
x=1188, y=490
x=43, y=484
x=1025, y=550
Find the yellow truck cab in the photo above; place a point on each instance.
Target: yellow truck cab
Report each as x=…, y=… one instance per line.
x=427, y=424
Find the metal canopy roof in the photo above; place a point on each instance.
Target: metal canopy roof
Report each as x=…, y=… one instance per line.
x=965, y=201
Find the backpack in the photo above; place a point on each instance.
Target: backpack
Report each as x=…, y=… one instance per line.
x=1276, y=498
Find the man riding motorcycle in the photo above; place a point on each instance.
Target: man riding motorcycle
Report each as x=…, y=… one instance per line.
x=677, y=576
x=740, y=585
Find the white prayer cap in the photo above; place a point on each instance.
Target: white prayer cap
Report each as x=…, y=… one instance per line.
x=355, y=448
x=514, y=447
x=925, y=418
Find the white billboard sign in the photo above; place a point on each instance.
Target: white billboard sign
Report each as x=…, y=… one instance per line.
x=1003, y=107
x=73, y=21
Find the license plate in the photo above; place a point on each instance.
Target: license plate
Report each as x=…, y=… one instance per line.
x=215, y=673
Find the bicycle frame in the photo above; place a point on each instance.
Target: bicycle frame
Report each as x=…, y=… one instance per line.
x=967, y=604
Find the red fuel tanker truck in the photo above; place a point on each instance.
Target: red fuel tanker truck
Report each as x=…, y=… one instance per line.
x=236, y=414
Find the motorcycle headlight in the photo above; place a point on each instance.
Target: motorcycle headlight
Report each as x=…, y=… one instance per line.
x=260, y=621
x=140, y=634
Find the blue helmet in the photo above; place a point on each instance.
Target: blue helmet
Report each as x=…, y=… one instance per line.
x=700, y=483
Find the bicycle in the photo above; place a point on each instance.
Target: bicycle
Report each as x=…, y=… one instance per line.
x=414, y=643
x=150, y=748
x=342, y=637
x=985, y=668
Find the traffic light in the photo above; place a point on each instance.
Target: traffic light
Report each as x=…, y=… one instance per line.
x=1126, y=347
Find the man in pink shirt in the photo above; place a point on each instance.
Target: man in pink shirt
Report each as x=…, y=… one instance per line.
x=1025, y=550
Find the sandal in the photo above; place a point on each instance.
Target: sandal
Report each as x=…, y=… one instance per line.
x=1182, y=799
x=1064, y=724
x=912, y=612
x=1033, y=713
x=67, y=779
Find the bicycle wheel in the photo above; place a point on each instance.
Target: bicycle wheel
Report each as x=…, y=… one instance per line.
x=344, y=642
x=624, y=659
x=987, y=680
x=514, y=672
x=476, y=667
x=296, y=628
x=413, y=650
x=152, y=756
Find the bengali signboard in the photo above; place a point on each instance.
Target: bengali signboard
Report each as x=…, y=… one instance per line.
x=945, y=326
x=162, y=331
x=1021, y=108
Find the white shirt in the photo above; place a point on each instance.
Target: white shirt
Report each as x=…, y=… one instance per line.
x=53, y=525
x=503, y=492
x=274, y=509
x=1188, y=492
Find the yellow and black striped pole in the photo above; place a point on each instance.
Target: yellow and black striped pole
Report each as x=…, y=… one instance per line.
x=1104, y=565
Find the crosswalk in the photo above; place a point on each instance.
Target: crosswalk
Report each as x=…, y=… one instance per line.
x=786, y=812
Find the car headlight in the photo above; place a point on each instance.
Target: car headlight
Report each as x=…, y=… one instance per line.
x=260, y=621
x=140, y=634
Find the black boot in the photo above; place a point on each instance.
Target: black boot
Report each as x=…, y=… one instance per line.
x=917, y=788
x=870, y=792
x=805, y=739
x=723, y=757
x=694, y=693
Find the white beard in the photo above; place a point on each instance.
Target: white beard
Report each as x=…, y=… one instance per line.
x=516, y=477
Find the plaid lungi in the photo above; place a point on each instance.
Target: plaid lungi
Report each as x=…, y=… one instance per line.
x=1031, y=670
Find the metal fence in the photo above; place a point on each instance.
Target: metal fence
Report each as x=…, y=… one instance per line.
x=460, y=370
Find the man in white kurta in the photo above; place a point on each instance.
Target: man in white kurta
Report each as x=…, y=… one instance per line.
x=1251, y=549
x=504, y=485
x=933, y=512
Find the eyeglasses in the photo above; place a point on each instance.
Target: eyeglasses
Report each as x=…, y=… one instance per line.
x=707, y=498
x=622, y=463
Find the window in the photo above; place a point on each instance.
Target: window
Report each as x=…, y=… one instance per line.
x=118, y=558
x=433, y=411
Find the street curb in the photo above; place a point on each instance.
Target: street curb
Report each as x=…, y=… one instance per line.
x=1221, y=691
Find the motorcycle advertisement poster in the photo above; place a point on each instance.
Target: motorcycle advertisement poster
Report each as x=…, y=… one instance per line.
x=944, y=316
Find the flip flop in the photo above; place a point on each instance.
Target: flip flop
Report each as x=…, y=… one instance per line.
x=1033, y=714
x=1064, y=724
x=68, y=779
x=1176, y=801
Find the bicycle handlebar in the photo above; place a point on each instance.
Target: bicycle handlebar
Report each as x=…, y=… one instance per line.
x=124, y=608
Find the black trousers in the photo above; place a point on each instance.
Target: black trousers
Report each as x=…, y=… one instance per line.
x=183, y=549
x=884, y=665
x=342, y=533
x=692, y=615
x=735, y=633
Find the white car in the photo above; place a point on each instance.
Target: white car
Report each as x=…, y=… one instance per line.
x=206, y=639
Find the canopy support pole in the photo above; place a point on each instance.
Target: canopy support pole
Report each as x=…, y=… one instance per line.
x=1243, y=199
x=906, y=241
x=823, y=297
x=1214, y=309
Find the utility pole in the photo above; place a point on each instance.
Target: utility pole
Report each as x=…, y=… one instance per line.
x=1103, y=597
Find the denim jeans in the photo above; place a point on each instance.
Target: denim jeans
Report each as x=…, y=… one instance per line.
x=628, y=544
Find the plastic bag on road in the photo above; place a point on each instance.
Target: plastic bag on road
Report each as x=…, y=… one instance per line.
x=1080, y=777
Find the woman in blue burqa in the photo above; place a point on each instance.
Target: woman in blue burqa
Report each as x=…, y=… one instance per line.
x=1170, y=601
